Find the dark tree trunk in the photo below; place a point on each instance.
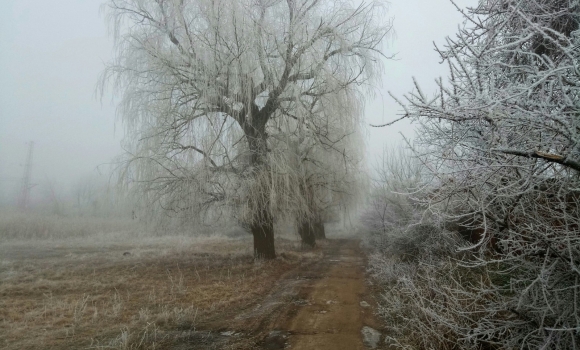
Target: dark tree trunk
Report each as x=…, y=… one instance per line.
x=306, y=232
x=319, y=232
x=262, y=227
x=263, y=233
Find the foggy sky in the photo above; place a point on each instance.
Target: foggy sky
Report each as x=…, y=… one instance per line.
x=51, y=54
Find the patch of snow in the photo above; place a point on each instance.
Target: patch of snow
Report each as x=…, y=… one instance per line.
x=371, y=337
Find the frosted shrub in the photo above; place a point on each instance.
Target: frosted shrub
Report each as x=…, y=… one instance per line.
x=501, y=140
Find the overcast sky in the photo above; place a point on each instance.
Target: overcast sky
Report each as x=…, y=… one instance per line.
x=51, y=54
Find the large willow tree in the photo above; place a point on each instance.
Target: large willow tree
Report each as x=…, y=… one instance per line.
x=206, y=83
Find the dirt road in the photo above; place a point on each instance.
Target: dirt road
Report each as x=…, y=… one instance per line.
x=333, y=318
x=320, y=307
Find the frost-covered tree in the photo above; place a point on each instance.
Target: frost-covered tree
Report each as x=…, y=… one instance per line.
x=205, y=83
x=326, y=160
x=502, y=140
x=397, y=181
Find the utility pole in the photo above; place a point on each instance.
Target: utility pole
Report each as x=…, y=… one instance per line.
x=26, y=186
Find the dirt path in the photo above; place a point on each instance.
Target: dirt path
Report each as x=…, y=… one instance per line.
x=326, y=312
x=321, y=304
x=334, y=318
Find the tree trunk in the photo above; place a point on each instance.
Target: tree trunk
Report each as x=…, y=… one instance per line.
x=262, y=226
x=319, y=232
x=306, y=232
x=263, y=232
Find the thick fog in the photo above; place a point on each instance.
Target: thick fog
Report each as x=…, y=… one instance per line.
x=52, y=52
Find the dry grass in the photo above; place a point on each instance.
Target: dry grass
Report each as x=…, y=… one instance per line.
x=16, y=225
x=66, y=294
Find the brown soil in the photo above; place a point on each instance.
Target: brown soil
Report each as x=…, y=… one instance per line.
x=315, y=308
x=333, y=318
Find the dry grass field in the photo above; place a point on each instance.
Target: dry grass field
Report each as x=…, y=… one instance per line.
x=129, y=290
